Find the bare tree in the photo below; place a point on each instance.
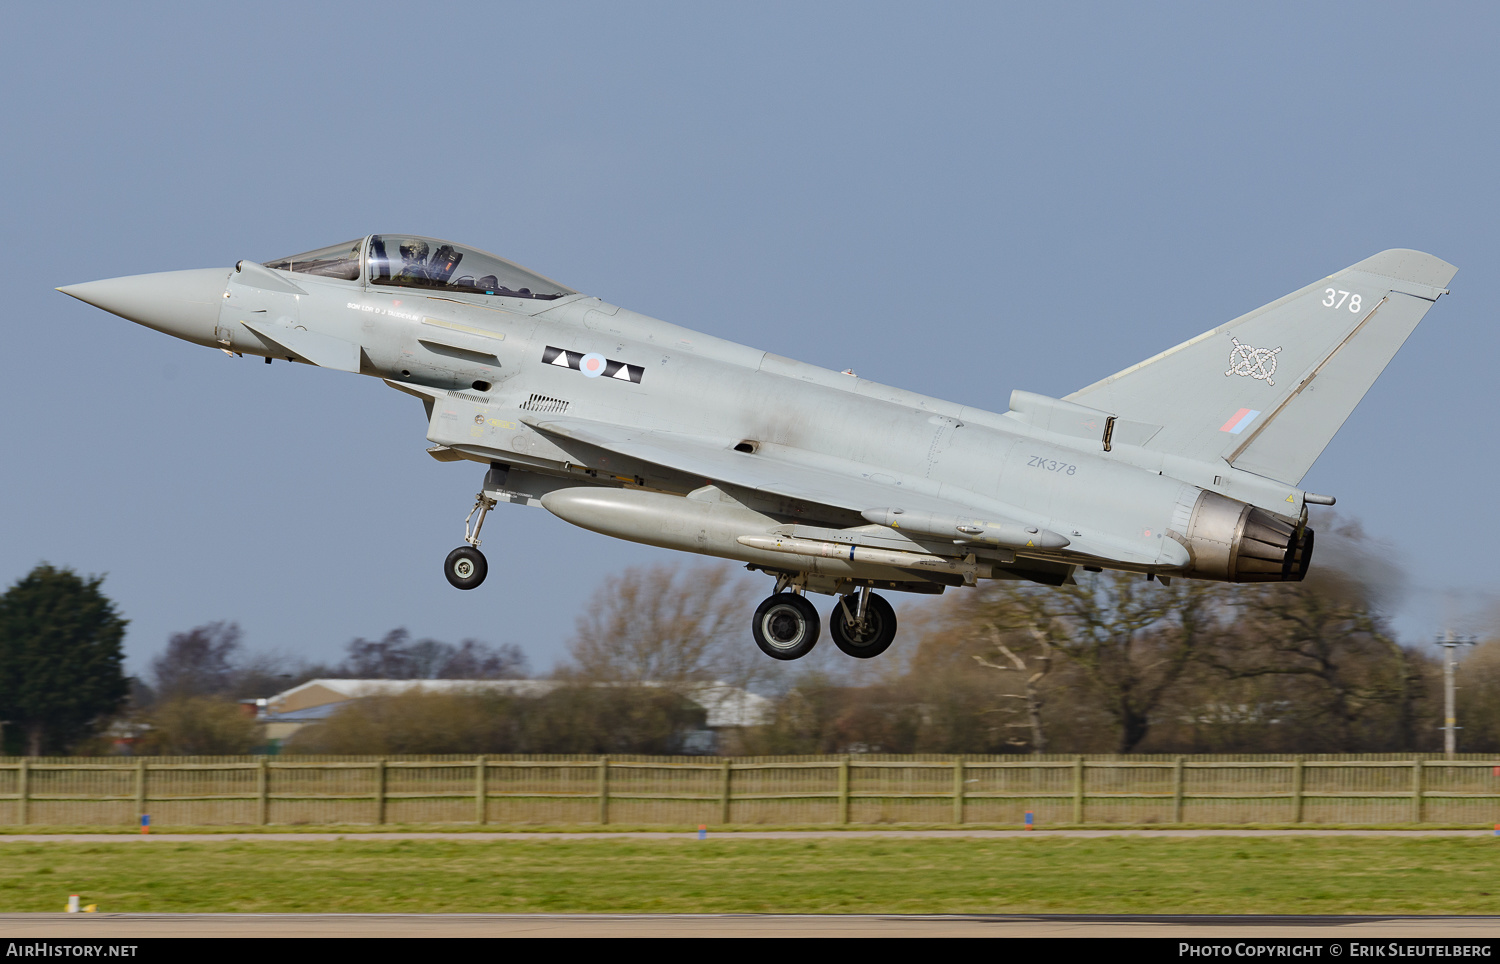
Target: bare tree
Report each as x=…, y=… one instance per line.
x=475, y=660
x=1345, y=669
x=664, y=625
x=1132, y=639
x=199, y=662
x=397, y=656
x=1031, y=676
x=394, y=656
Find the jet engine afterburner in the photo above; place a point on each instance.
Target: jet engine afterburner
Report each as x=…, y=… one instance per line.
x=1235, y=542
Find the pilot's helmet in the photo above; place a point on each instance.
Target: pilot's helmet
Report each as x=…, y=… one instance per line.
x=414, y=250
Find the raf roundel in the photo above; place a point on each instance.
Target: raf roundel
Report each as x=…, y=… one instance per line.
x=593, y=365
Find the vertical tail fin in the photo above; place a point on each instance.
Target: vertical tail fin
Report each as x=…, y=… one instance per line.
x=1267, y=391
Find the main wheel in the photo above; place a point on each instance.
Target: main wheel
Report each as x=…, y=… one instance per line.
x=465, y=567
x=786, y=626
x=878, y=632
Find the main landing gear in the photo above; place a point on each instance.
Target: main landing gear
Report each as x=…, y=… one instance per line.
x=465, y=566
x=786, y=625
x=862, y=627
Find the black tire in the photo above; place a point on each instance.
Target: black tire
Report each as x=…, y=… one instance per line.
x=879, y=631
x=465, y=568
x=786, y=626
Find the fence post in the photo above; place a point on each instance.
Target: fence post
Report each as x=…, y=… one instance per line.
x=604, y=789
x=958, y=791
x=844, y=790
x=379, y=792
x=140, y=789
x=724, y=795
x=262, y=792
x=23, y=792
x=481, y=790
x=1177, y=781
x=1417, y=796
x=1297, y=784
x=1078, y=789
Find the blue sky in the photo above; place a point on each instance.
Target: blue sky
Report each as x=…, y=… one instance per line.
x=959, y=199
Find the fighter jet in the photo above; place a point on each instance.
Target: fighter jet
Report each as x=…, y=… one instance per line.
x=1187, y=464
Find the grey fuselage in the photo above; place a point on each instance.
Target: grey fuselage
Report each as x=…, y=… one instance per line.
x=503, y=383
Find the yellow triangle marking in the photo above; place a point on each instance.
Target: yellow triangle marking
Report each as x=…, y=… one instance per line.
x=1030, y=543
x=1290, y=499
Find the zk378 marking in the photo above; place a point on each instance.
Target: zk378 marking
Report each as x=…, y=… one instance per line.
x=1051, y=465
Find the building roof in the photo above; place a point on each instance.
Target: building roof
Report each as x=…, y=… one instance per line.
x=724, y=705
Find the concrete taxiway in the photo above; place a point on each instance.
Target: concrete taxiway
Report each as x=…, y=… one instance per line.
x=125, y=926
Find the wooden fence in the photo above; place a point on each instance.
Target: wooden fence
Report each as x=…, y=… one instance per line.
x=782, y=791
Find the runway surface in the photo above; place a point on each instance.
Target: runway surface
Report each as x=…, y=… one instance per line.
x=459, y=836
x=102, y=926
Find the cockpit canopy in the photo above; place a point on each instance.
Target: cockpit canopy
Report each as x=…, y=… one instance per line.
x=338, y=261
x=411, y=262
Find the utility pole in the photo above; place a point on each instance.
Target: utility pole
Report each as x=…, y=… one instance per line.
x=1450, y=727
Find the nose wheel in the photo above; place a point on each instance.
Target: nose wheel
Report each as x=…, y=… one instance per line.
x=466, y=566
x=786, y=626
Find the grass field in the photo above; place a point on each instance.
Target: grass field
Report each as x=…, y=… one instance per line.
x=722, y=875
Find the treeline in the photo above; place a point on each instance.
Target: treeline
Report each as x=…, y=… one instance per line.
x=190, y=702
x=1112, y=664
x=576, y=718
x=1120, y=664
x=1117, y=664
x=63, y=688
x=212, y=661
x=647, y=642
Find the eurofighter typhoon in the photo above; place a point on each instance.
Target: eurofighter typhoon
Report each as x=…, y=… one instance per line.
x=1185, y=465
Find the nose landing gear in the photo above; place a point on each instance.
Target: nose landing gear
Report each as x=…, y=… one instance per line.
x=466, y=566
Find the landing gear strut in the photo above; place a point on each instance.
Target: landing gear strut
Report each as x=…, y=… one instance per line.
x=862, y=624
x=466, y=566
x=786, y=626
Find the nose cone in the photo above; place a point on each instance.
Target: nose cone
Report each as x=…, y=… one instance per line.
x=181, y=303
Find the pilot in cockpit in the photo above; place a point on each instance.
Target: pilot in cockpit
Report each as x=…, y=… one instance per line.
x=413, y=261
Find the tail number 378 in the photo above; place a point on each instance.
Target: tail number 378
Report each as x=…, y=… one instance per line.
x=1335, y=299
